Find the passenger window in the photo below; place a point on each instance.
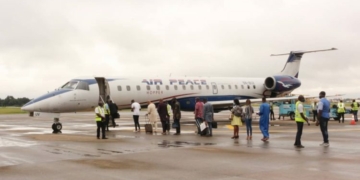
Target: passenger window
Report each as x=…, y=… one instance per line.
x=184, y=87
x=138, y=88
x=128, y=88
x=148, y=88
x=191, y=87
x=175, y=87
x=236, y=87
x=199, y=87
x=254, y=87
x=157, y=87
x=248, y=87
x=207, y=87
x=222, y=86
x=229, y=86
x=167, y=87
x=119, y=88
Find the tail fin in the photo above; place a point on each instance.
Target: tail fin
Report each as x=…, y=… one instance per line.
x=292, y=65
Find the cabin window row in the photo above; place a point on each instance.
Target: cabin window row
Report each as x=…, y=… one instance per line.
x=157, y=87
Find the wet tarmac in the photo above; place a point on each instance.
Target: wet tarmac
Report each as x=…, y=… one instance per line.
x=30, y=151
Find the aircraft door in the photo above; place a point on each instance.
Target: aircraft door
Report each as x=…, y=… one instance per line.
x=104, y=89
x=214, y=88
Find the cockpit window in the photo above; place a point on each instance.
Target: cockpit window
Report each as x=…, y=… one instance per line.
x=83, y=86
x=76, y=85
x=70, y=85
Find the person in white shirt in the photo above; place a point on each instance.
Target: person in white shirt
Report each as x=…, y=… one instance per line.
x=135, y=108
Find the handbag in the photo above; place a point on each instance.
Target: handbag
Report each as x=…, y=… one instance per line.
x=117, y=115
x=202, y=126
x=175, y=125
x=214, y=124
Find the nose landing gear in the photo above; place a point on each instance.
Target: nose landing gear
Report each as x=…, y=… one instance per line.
x=56, y=126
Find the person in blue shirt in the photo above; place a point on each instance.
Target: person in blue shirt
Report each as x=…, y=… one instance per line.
x=323, y=117
x=264, y=119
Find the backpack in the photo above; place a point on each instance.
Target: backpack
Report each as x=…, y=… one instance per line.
x=237, y=111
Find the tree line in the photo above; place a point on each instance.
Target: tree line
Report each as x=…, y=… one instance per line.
x=11, y=101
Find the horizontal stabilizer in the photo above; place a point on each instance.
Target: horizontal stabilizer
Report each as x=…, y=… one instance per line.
x=303, y=52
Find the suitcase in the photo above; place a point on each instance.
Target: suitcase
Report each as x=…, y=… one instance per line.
x=148, y=126
x=214, y=124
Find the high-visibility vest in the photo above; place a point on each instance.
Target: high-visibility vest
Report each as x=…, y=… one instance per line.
x=298, y=117
x=101, y=111
x=341, y=108
x=355, y=106
x=169, y=110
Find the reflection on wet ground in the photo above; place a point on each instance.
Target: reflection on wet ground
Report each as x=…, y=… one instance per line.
x=169, y=144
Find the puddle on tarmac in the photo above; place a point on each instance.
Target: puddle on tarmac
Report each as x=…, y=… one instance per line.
x=169, y=144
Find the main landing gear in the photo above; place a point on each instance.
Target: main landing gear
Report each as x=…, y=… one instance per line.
x=56, y=126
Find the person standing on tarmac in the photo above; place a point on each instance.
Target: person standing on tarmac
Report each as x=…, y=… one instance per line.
x=199, y=107
x=152, y=115
x=135, y=108
x=170, y=112
x=323, y=117
x=100, y=120
x=177, y=115
x=164, y=116
x=107, y=115
x=355, y=108
x=264, y=119
x=272, y=115
x=300, y=119
x=208, y=115
x=314, y=110
x=341, y=111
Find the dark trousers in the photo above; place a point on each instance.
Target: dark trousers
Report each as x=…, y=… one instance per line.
x=314, y=115
x=272, y=116
x=177, y=121
x=107, y=119
x=355, y=115
x=136, y=122
x=100, y=125
x=324, y=128
x=341, y=115
x=300, y=126
x=113, y=119
x=165, y=125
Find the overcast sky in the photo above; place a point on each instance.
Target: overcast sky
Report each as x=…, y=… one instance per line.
x=43, y=44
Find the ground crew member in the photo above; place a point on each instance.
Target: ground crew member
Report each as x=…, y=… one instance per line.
x=300, y=119
x=272, y=115
x=107, y=116
x=100, y=120
x=355, y=108
x=341, y=111
x=314, y=111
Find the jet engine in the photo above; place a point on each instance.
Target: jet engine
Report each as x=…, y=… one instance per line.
x=281, y=83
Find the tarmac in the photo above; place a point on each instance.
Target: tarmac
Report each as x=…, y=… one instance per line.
x=30, y=151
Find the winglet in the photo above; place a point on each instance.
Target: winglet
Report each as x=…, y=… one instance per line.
x=303, y=52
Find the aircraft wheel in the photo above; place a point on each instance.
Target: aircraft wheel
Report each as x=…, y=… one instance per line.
x=292, y=116
x=57, y=127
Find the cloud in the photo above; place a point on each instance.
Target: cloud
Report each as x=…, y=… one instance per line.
x=43, y=44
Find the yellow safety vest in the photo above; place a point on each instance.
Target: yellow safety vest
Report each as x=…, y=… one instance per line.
x=169, y=110
x=355, y=106
x=298, y=117
x=101, y=111
x=341, y=108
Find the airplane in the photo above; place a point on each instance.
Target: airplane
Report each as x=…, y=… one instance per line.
x=85, y=93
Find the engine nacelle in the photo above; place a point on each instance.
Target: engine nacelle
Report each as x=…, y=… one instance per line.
x=281, y=83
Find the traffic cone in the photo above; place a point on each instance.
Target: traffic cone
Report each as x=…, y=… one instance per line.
x=352, y=122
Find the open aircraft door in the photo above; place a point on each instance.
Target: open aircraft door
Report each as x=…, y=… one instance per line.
x=104, y=89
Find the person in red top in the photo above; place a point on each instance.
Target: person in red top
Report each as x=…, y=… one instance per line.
x=199, y=113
